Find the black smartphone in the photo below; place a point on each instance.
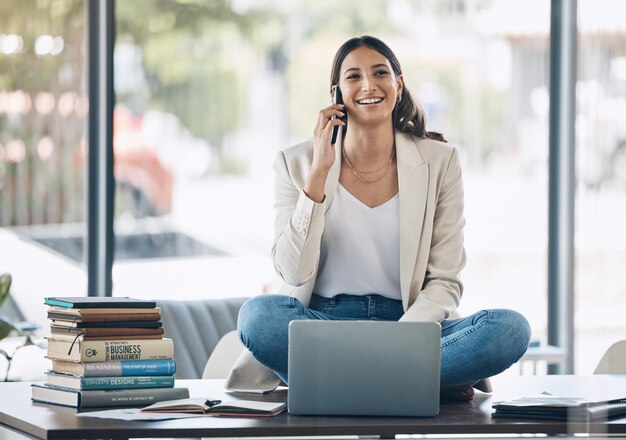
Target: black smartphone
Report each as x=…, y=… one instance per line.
x=337, y=99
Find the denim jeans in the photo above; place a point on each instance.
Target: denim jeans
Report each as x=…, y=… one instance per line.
x=472, y=348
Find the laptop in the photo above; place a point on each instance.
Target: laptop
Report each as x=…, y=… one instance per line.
x=364, y=368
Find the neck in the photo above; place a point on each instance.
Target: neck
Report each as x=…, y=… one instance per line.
x=365, y=145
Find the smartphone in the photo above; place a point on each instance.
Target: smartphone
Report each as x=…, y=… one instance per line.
x=337, y=99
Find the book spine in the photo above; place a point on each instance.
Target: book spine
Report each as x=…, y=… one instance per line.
x=111, y=332
x=92, y=399
x=163, y=367
x=103, y=351
x=119, y=383
x=100, y=317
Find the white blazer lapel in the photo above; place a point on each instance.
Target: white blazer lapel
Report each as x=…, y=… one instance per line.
x=413, y=188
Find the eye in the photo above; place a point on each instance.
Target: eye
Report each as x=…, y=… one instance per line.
x=353, y=76
x=381, y=72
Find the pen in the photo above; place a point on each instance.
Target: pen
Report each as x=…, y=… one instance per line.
x=212, y=402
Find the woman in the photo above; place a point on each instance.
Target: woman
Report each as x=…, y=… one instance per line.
x=372, y=228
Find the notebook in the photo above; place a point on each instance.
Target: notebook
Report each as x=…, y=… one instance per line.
x=364, y=368
x=551, y=407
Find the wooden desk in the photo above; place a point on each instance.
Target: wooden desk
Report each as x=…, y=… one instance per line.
x=41, y=421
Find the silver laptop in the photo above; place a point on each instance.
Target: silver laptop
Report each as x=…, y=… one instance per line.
x=364, y=368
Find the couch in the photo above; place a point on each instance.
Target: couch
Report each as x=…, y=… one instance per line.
x=196, y=326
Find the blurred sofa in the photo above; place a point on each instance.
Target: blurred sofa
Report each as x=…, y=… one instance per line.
x=196, y=326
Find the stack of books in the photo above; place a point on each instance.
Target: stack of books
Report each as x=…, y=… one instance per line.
x=107, y=352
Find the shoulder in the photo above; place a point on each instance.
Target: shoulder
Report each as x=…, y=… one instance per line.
x=303, y=150
x=415, y=151
x=295, y=161
x=434, y=151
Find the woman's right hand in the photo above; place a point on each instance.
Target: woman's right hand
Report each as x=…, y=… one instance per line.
x=323, y=150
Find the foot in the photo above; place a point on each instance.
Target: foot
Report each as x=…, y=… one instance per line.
x=461, y=393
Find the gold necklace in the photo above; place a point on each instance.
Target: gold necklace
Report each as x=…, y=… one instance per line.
x=356, y=173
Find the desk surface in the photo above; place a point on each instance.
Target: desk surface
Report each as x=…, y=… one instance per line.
x=43, y=421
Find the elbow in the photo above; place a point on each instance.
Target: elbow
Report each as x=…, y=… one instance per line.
x=295, y=281
x=292, y=276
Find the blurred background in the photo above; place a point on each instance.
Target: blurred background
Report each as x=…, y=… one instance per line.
x=208, y=91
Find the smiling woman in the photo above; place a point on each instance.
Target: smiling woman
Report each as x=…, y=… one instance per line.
x=371, y=228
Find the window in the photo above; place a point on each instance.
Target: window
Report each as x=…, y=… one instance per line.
x=601, y=181
x=42, y=150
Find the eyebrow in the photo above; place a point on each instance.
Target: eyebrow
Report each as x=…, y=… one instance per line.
x=373, y=67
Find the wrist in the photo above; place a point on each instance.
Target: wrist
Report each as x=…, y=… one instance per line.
x=316, y=172
x=315, y=197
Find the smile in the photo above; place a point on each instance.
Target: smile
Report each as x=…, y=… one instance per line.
x=369, y=101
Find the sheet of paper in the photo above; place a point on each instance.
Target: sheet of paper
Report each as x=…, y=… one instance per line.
x=544, y=399
x=136, y=414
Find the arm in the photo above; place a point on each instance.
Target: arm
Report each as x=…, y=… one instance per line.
x=298, y=227
x=442, y=288
x=299, y=220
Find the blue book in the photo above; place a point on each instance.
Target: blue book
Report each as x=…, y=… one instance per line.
x=155, y=367
x=69, y=381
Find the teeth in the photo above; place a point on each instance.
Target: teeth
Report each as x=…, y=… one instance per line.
x=369, y=101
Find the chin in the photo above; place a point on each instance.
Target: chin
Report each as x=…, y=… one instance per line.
x=372, y=120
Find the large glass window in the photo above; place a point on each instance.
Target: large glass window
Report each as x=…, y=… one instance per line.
x=194, y=85
x=42, y=151
x=601, y=181
x=503, y=134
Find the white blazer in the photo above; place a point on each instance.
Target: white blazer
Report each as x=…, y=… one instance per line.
x=431, y=236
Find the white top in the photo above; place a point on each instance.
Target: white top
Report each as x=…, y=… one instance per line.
x=360, y=251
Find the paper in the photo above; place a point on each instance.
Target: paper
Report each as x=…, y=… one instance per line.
x=545, y=399
x=136, y=414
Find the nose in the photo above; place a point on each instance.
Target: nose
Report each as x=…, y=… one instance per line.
x=368, y=84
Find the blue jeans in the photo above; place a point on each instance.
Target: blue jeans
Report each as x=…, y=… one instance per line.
x=472, y=348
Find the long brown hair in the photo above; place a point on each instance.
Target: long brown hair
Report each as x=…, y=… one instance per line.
x=408, y=115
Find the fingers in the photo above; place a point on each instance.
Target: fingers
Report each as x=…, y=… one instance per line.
x=328, y=118
x=339, y=107
x=330, y=111
x=323, y=150
x=323, y=134
x=332, y=122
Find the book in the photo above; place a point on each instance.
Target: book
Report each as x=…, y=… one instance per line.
x=111, y=315
x=108, y=332
x=549, y=407
x=162, y=367
x=212, y=407
x=88, y=302
x=108, y=324
x=74, y=382
x=103, y=310
x=82, y=337
x=104, y=398
x=110, y=350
